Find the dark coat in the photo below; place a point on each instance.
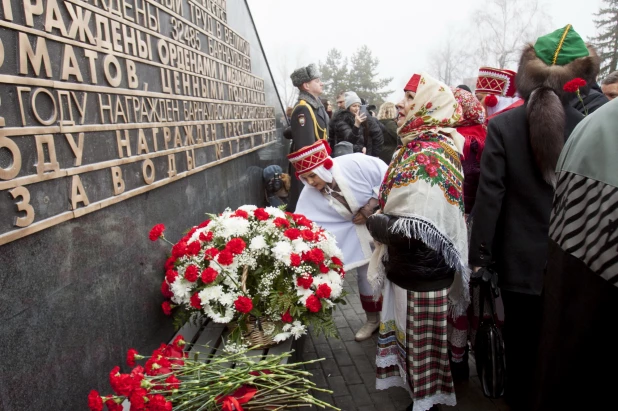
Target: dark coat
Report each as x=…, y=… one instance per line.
x=472, y=173
x=513, y=203
x=411, y=264
x=391, y=139
x=303, y=134
x=368, y=135
x=593, y=99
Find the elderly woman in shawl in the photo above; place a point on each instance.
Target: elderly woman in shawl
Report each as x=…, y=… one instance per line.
x=339, y=195
x=420, y=263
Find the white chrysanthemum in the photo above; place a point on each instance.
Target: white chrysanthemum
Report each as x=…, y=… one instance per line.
x=181, y=289
x=275, y=212
x=300, y=246
x=334, y=277
x=298, y=329
x=281, y=337
x=321, y=279
x=282, y=251
x=211, y=293
x=248, y=208
x=303, y=294
x=287, y=327
x=233, y=227
x=258, y=243
x=227, y=299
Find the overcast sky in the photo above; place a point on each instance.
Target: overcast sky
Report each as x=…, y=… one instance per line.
x=401, y=33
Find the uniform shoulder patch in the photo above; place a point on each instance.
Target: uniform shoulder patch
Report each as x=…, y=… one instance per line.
x=301, y=120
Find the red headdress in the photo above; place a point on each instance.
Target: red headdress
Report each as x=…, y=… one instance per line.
x=310, y=157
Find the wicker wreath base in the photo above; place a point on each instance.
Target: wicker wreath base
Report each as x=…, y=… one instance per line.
x=255, y=336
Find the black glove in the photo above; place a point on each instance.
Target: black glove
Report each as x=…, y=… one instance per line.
x=287, y=133
x=378, y=226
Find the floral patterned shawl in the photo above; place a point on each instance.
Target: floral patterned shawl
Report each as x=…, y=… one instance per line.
x=423, y=186
x=472, y=123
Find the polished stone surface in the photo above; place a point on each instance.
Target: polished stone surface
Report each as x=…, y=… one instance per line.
x=76, y=296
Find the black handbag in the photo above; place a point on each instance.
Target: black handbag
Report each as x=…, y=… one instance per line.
x=489, y=345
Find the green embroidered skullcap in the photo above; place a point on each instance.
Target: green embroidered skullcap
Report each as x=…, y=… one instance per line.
x=560, y=47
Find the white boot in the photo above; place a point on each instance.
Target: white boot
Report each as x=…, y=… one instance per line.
x=372, y=324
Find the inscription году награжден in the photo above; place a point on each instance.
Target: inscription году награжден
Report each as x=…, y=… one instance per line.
x=117, y=97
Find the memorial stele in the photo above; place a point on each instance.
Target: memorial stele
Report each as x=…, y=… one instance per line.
x=103, y=100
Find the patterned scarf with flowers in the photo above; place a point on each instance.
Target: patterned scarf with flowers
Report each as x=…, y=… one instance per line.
x=423, y=185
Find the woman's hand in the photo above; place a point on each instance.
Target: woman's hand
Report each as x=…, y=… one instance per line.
x=359, y=218
x=364, y=151
x=359, y=119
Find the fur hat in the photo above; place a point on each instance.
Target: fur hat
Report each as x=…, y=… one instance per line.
x=304, y=75
x=540, y=81
x=351, y=98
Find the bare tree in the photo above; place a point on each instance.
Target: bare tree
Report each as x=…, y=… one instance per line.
x=450, y=62
x=504, y=26
x=285, y=67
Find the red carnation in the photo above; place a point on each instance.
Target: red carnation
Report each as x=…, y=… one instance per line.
x=574, y=85
x=292, y=233
x=261, y=214
x=194, y=248
x=158, y=365
x=206, y=237
x=211, y=253
x=225, y=257
x=169, y=263
x=95, y=402
x=453, y=192
x=171, y=275
x=179, y=341
x=156, y=232
x=191, y=232
x=179, y=249
x=240, y=213
x=191, y=273
x=165, y=290
x=113, y=405
x=286, y=317
x=307, y=235
x=300, y=219
x=337, y=261
x=315, y=256
x=236, y=246
x=313, y=304
x=204, y=224
x=196, y=302
x=491, y=101
x=137, y=399
x=173, y=382
x=281, y=222
x=132, y=356
x=323, y=291
x=304, y=281
x=323, y=268
x=167, y=308
x=122, y=384
x=158, y=402
x=294, y=260
x=209, y=275
x=243, y=304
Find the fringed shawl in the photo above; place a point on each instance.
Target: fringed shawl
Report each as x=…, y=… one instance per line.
x=423, y=186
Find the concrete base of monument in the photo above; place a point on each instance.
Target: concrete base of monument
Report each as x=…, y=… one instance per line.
x=206, y=340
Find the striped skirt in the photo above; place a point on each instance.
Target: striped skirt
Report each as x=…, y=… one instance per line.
x=412, y=346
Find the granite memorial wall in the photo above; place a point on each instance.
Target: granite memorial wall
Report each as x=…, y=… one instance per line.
x=115, y=115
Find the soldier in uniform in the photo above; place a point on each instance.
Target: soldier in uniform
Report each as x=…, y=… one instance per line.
x=309, y=120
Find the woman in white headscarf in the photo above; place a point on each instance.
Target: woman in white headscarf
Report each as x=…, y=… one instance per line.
x=420, y=261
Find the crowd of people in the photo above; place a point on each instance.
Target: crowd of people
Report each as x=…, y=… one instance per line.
x=518, y=179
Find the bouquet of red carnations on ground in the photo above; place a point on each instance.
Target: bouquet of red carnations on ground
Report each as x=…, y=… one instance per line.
x=264, y=263
x=169, y=380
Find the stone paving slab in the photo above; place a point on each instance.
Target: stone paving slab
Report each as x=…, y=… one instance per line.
x=349, y=368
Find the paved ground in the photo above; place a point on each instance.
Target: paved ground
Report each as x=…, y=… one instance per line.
x=349, y=368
